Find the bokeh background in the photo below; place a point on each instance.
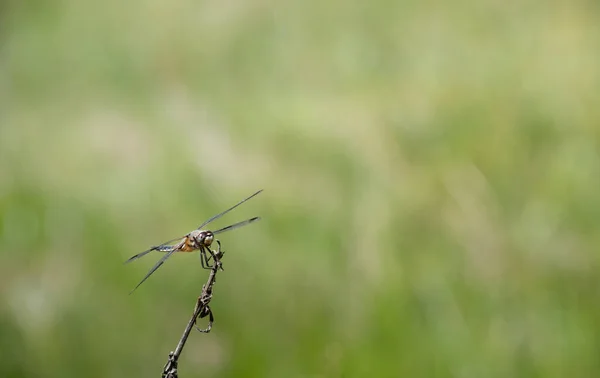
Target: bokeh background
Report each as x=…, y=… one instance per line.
x=431, y=175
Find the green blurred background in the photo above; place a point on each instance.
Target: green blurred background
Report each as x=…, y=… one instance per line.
x=431, y=175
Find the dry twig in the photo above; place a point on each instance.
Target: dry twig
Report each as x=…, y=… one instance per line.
x=201, y=310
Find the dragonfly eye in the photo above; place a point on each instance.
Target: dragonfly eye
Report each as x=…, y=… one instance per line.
x=208, y=239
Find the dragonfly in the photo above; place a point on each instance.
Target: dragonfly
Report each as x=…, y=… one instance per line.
x=198, y=239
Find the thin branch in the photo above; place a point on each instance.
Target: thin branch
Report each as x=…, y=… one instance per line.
x=201, y=310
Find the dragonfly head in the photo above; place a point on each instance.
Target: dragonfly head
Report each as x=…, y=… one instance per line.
x=204, y=238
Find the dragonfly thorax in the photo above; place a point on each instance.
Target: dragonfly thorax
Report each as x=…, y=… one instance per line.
x=202, y=237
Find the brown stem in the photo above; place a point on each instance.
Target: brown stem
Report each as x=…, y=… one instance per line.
x=170, y=369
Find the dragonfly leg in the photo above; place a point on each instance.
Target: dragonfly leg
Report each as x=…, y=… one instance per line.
x=204, y=259
x=218, y=252
x=217, y=255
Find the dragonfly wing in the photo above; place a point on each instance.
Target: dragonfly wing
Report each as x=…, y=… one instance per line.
x=236, y=225
x=228, y=210
x=157, y=265
x=161, y=248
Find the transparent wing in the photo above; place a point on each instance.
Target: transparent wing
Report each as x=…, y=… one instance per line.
x=161, y=248
x=236, y=225
x=228, y=210
x=156, y=266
